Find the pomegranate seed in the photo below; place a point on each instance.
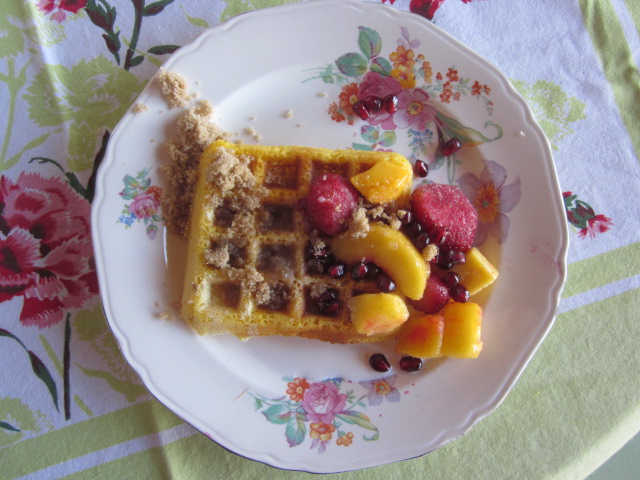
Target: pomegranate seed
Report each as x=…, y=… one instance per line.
x=450, y=279
x=374, y=104
x=457, y=257
x=379, y=362
x=444, y=260
x=330, y=308
x=459, y=293
x=410, y=364
x=391, y=103
x=384, y=283
x=414, y=229
x=420, y=169
x=439, y=235
x=337, y=270
x=372, y=270
x=422, y=241
x=328, y=296
x=406, y=217
x=450, y=147
x=359, y=271
x=360, y=108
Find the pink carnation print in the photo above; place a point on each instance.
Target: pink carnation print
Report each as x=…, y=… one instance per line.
x=46, y=255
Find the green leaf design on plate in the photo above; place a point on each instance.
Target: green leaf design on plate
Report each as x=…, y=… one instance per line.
x=352, y=64
x=467, y=136
x=370, y=134
x=369, y=42
x=381, y=65
x=296, y=430
x=279, y=414
x=388, y=138
x=91, y=96
x=360, y=419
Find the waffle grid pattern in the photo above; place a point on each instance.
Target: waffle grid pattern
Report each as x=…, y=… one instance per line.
x=277, y=250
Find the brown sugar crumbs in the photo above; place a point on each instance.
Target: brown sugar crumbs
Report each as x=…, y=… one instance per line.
x=196, y=131
x=174, y=88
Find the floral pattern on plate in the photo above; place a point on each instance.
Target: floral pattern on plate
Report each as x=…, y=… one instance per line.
x=420, y=92
x=145, y=202
x=326, y=410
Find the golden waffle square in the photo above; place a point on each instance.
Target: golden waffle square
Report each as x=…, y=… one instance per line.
x=248, y=270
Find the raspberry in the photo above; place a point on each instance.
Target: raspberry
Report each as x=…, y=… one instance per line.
x=436, y=295
x=437, y=206
x=330, y=203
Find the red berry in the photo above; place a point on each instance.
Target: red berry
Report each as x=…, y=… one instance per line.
x=420, y=169
x=391, y=103
x=330, y=308
x=439, y=236
x=450, y=147
x=421, y=241
x=330, y=203
x=379, y=362
x=459, y=294
x=406, y=218
x=411, y=364
x=450, y=279
x=414, y=229
x=361, y=109
x=337, y=270
x=372, y=270
x=436, y=295
x=374, y=104
x=359, y=271
x=446, y=207
x=457, y=258
x=384, y=283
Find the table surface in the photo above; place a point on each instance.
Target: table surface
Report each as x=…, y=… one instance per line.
x=69, y=403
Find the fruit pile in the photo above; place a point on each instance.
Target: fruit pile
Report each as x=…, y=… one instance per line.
x=426, y=270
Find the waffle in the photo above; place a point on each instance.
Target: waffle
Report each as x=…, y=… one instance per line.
x=248, y=269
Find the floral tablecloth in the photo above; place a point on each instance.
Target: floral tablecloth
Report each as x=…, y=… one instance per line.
x=69, y=403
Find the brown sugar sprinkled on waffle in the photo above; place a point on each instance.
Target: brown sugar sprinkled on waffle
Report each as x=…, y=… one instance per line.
x=251, y=268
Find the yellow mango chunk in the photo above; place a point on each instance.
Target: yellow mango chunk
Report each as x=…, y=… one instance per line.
x=392, y=251
x=421, y=336
x=477, y=272
x=377, y=313
x=462, y=326
x=385, y=182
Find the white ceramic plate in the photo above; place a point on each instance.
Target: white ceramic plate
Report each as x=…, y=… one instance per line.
x=306, y=405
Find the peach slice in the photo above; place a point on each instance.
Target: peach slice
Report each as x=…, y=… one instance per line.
x=462, y=325
x=386, y=181
x=477, y=272
x=392, y=251
x=421, y=336
x=377, y=313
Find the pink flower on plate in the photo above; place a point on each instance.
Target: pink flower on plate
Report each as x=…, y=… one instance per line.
x=492, y=198
x=46, y=254
x=321, y=402
x=144, y=205
x=376, y=85
x=381, y=389
x=414, y=110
